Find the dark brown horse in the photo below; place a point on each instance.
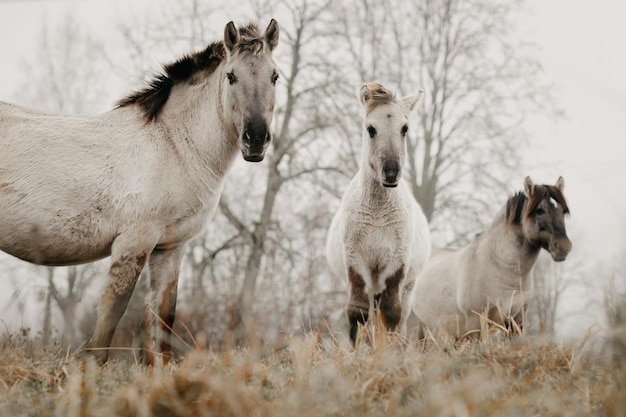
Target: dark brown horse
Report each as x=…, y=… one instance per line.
x=493, y=274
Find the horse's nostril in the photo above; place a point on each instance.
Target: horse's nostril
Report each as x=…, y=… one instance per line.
x=256, y=138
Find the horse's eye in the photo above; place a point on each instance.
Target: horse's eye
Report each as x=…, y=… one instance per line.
x=232, y=79
x=274, y=77
x=371, y=130
x=404, y=129
x=540, y=211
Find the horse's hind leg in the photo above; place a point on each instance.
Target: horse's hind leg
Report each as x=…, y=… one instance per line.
x=358, y=305
x=160, y=308
x=127, y=261
x=405, y=304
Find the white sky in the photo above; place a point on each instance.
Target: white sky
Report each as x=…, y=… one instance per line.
x=583, y=53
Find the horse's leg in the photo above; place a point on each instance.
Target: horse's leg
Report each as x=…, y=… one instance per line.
x=515, y=323
x=406, y=306
x=127, y=261
x=160, y=307
x=391, y=304
x=358, y=305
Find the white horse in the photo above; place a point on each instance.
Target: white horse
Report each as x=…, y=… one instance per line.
x=141, y=180
x=493, y=274
x=379, y=239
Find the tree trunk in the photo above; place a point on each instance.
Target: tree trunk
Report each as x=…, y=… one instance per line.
x=242, y=308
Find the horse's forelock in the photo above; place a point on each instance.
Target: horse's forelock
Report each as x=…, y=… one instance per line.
x=558, y=196
x=378, y=95
x=540, y=193
x=250, y=39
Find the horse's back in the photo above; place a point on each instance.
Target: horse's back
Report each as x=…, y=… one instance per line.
x=52, y=189
x=61, y=180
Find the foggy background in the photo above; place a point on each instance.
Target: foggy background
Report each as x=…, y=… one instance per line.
x=512, y=88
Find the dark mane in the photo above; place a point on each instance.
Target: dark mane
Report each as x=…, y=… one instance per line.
x=515, y=205
x=152, y=98
x=514, y=208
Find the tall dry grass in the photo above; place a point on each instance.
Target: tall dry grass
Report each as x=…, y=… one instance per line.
x=523, y=376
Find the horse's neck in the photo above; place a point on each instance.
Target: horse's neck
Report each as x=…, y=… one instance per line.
x=195, y=119
x=373, y=195
x=508, y=248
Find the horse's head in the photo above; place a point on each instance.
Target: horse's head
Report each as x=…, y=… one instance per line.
x=385, y=130
x=543, y=219
x=250, y=77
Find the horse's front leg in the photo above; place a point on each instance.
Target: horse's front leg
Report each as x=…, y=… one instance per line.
x=359, y=304
x=405, y=299
x=160, y=307
x=514, y=323
x=127, y=260
x=391, y=304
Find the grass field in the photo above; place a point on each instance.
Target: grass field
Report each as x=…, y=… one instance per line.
x=524, y=376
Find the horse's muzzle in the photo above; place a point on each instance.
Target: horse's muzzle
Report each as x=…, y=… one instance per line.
x=253, y=148
x=391, y=173
x=560, y=248
x=255, y=141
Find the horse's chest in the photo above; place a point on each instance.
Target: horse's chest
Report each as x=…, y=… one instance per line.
x=188, y=220
x=377, y=240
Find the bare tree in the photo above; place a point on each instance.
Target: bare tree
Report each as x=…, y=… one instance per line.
x=615, y=310
x=66, y=297
x=480, y=84
x=298, y=121
x=261, y=259
x=551, y=282
x=67, y=73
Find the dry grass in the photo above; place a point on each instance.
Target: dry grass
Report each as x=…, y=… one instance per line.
x=522, y=377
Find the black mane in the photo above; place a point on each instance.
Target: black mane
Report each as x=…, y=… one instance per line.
x=152, y=98
x=514, y=208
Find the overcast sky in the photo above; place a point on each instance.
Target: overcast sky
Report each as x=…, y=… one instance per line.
x=583, y=53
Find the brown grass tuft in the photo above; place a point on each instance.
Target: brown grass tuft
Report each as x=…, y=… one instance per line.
x=382, y=376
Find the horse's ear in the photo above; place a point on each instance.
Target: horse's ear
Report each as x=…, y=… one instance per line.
x=529, y=187
x=365, y=94
x=410, y=101
x=231, y=36
x=560, y=184
x=271, y=34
